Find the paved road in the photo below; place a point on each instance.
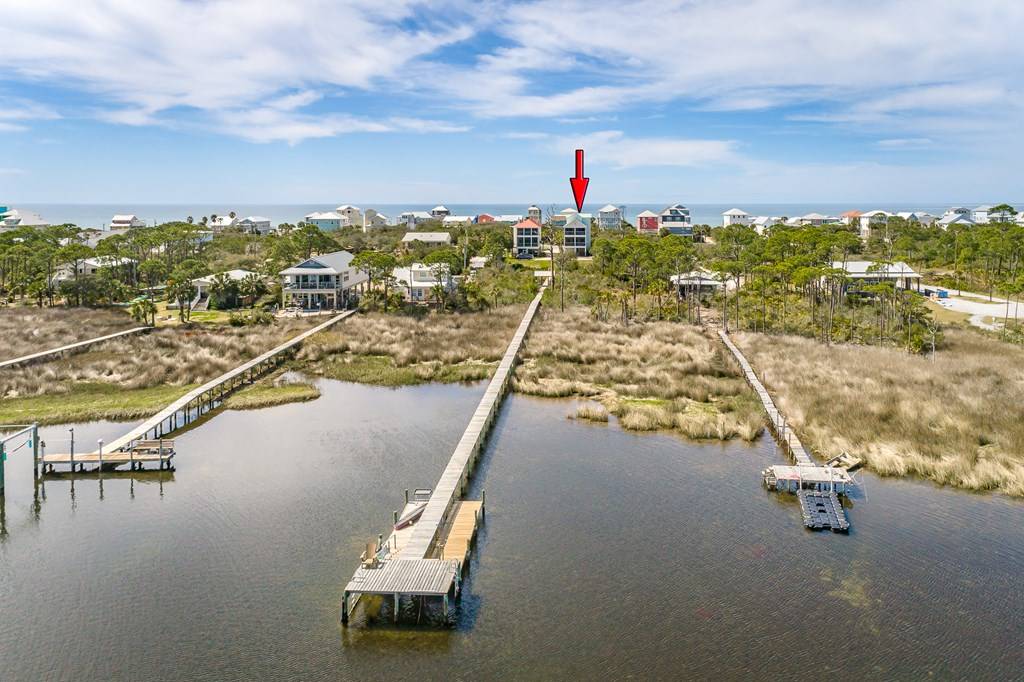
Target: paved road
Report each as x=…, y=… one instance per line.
x=978, y=311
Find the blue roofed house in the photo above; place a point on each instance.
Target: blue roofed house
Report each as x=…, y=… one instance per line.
x=324, y=282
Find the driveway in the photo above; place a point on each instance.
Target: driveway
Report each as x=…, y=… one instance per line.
x=977, y=310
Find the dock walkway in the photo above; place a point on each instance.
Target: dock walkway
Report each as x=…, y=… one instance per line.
x=438, y=544
x=79, y=345
x=196, y=402
x=787, y=438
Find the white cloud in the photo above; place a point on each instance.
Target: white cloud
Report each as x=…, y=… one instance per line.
x=16, y=114
x=905, y=143
x=616, y=149
x=220, y=57
x=11, y=171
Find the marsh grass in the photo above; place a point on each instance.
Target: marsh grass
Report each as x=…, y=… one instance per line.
x=269, y=393
x=955, y=420
x=651, y=376
x=29, y=330
x=400, y=350
x=144, y=369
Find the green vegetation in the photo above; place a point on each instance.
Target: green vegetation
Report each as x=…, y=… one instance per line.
x=135, y=376
x=268, y=393
x=90, y=401
x=383, y=371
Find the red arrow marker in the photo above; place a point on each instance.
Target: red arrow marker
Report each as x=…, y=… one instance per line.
x=579, y=183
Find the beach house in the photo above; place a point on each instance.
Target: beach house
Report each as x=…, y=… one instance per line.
x=373, y=218
x=428, y=238
x=324, y=282
x=526, y=238
x=413, y=218
x=439, y=212
x=255, y=224
x=872, y=219
x=418, y=280
x=326, y=220
x=676, y=219
x=949, y=219
x=647, y=222
x=17, y=218
x=609, y=217
x=862, y=273
x=222, y=222
x=353, y=214
x=736, y=216
x=124, y=221
x=534, y=213
x=576, y=236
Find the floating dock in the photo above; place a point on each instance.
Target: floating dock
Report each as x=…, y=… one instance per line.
x=413, y=559
x=823, y=511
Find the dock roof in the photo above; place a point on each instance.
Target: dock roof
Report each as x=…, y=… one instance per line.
x=406, y=576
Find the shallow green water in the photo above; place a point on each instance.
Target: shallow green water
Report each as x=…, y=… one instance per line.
x=605, y=555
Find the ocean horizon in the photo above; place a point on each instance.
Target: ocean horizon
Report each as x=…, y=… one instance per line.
x=99, y=215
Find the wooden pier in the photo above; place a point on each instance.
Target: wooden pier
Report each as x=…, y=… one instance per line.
x=442, y=536
x=815, y=484
x=184, y=410
x=70, y=348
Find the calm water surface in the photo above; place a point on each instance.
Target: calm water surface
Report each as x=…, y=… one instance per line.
x=605, y=555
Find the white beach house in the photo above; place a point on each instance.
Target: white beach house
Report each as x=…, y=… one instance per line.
x=609, y=217
x=418, y=280
x=324, y=282
x=863, y=272
x=429, y=238
x=353, y=214
x=736, y=216
x=576, y=236
x=439, y=212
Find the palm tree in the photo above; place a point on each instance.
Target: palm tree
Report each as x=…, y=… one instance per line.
x=252, y=287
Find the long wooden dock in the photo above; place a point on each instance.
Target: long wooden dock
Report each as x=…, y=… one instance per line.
x=817, y=485
x=409, y=562
x=785, y=435
x=195, y=403
x=71, y=347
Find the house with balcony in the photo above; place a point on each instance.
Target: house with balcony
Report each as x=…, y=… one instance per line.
x=576, y=236
x=526, y=238
x=324, y=282
x=439, y=212
x=418, y=281
x=872, y=219
x=534, y=213
x=647, y=222
x=609, y=217
x=676, y=219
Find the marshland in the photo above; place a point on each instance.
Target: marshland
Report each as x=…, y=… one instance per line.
x=27, y=330
x=134, y=377
x=953, y=418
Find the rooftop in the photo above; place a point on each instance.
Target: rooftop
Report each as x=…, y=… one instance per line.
x=427, y=237
x=406, y=576
x=862, y=268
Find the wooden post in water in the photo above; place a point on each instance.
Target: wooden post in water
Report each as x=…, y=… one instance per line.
x=100, y=453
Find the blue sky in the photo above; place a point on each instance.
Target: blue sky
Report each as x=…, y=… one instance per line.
x=464, y=101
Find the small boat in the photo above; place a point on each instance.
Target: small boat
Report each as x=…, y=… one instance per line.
x=411, y=516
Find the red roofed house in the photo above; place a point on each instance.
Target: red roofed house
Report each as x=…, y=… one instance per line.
x=484, y=218
x=526, y=238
